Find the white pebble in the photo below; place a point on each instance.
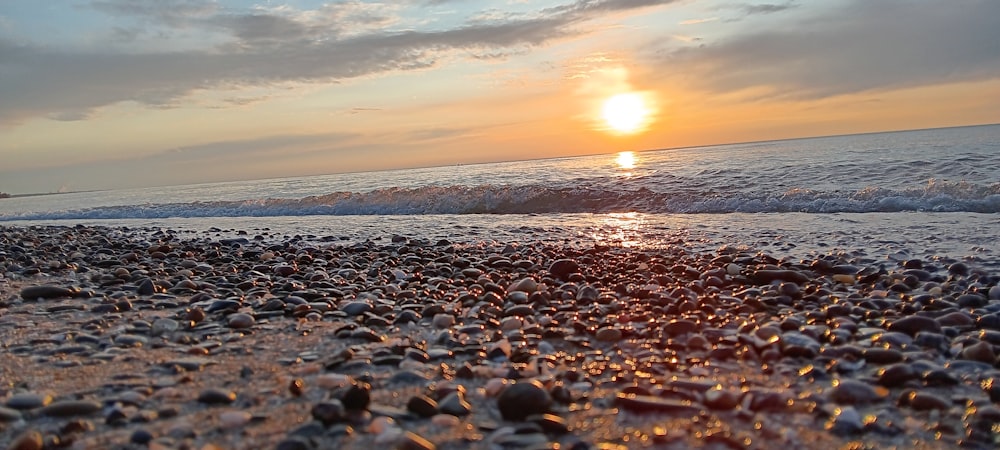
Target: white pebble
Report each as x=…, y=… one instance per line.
x=332, y=380
x=234, y=419
x=446, y=421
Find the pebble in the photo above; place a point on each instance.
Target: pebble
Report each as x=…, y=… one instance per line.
x=28, y=400
x=848, y=391
x=563, y=268
x=422, y=406
x=240, y=321
x=69, y=408
x=846, y=420
x=649, y=403
x=608, y=335
x=522, y=399
x=234, y=419
x=913, y=324
x=923, y=401
x=47, y=292
x=455, y=404
x=980, y=351
x=29, y=440
x=9, y=415
x=214, y=396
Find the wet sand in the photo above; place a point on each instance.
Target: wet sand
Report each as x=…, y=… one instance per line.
x=150, y=338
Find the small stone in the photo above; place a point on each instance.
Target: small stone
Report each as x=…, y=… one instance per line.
x=69, y=408
x=911, y=325
x=141, y=437
x=295, y=443
x=923, y=401
x=852, y=392
x=329, y=411
x=413, y=441
x=443, y=320
x=296, y=387
x=846, y=420
x=422, y=406
x=234, y=419
x=980, y=351
x=333, y=380
x=145, y=287
x=649, y=403
x=523, y=399
x=528, y=285
x=213, y=396
x=47, y=292
x=357, y=397
x=896, y=374
x=455, y=404
x=28, y=400
x=550, y=423
x=29, y=440
x=9, y=415
x=164, y=326
x=356, y=308
x=719, y=398
x=240, y=321
x=679, y=327
x=563, y=268
x=608, y=334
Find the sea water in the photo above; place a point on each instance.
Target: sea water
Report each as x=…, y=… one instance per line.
x=928, y=194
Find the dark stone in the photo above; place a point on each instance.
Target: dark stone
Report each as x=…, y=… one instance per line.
x=649, y=403
x=422, y=406
x=356, y=397
x=47, y=292
x=213, y=396
x=563, y=268
x=913, y=324
x=523, y=399
x=69, y=408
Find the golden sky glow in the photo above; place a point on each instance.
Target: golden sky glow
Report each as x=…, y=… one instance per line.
x=115, y=93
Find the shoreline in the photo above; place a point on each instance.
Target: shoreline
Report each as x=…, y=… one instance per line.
x=133, y=338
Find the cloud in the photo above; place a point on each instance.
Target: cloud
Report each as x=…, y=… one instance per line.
x=255, y=48
x=766, y=8
x=860, y=46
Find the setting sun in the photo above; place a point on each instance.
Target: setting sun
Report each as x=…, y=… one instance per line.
x=625, y=113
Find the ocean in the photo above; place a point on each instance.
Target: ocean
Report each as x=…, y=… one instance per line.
x=926, y=194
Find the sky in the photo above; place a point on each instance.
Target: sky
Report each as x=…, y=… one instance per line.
x=107, y=94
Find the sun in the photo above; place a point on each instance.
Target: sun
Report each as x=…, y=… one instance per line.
x=625, y=113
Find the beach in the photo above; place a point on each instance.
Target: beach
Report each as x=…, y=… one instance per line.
x=146, y=337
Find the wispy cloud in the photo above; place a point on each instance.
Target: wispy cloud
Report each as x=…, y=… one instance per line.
x=259, y=47
x=859, y=46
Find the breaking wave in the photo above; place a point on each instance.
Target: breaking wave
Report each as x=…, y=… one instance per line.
x=935, y=196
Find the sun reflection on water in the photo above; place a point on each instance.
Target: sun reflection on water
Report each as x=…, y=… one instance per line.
x=620, y=230
x=626, y=160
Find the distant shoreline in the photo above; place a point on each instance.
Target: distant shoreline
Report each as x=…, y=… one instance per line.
x=39, y=194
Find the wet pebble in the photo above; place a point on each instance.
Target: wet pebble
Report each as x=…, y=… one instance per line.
x=913, y=324
x=28, y=400
x=455, y=404
x=849, y=392
x=215, y=396
x=523, y=399
x=69, y=408
x=846, y=420
x=422, y=406
x=240, y=321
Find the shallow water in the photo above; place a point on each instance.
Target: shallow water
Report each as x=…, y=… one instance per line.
x=921, y=194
